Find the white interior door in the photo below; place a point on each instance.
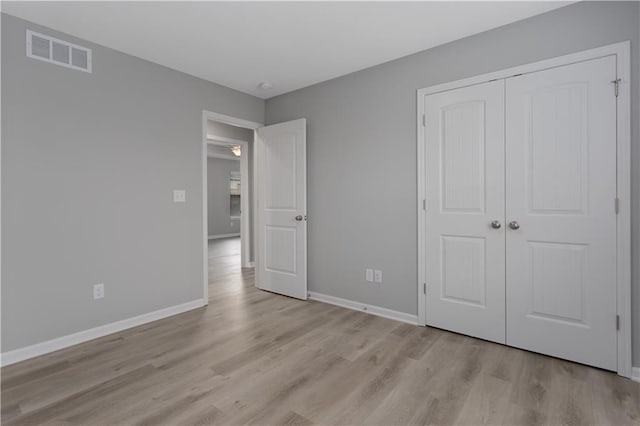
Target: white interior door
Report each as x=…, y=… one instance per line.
x=281, y=237
x=465, y=261
x=561, y=187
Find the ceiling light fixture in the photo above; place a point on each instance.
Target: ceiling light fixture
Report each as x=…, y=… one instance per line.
x=236, y=150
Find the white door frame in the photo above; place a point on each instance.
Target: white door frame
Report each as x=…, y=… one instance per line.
x=244, y=198
x=622, y=53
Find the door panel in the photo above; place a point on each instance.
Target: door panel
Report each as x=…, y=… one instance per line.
x=464, y=140
x=463, y=163
x=463, y=269
x=281, y=264
x=560, y=188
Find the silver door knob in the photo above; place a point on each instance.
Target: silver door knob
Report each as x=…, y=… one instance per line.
x=496, y=224
x=299, y=217
x=514, y=225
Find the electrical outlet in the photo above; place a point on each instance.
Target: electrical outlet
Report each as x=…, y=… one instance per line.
x=368, y=275
x=179, y=196
x=98, y=291
x=377, y=275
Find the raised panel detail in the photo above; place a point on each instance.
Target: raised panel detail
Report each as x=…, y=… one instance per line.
x=557, y=281
x=280, y=171
x=463, y=269
x=463, y=157
x=557, y=148
x=281, y=249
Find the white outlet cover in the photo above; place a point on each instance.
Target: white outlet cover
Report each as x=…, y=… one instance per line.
x=179, y=196
x=378, y=276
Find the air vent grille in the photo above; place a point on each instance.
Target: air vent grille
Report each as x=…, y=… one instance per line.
x=59, y=52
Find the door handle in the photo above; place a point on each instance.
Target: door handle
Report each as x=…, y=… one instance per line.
x=299, y=217
x=514, y=225
x=496, y=224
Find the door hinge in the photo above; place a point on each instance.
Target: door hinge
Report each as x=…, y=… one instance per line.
x=424, y=288
x=616, y=86
x=424, y=204
x=424, y=120
x=617, y=322
x=616, y=205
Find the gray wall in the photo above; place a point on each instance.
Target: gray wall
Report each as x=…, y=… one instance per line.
x=218, y=173
x=88, y=165
x=362, y=148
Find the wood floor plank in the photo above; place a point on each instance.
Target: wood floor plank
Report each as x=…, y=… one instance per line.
x=453, y=384
x=413, y=389
x=253, y=357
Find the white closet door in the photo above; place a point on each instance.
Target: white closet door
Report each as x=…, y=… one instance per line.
x=561, y=187
x=465, y=194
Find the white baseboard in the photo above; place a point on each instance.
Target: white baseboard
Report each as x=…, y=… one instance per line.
x=635, y=374
x=217, y=237
x=370, y=309
x=17, y=355
x=250, y=265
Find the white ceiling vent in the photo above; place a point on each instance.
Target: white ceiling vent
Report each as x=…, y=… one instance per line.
x=49, y=49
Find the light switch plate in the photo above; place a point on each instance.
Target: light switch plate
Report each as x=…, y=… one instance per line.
x=368, y=275
x=179, y=196
x=98, y=291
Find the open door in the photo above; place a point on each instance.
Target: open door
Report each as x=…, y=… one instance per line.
x=281, y=237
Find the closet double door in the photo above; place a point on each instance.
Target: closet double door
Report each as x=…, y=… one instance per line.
x=520, y=217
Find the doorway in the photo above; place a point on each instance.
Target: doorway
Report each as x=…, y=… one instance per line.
x=273, y=216
x=227, y=164
x=228, y=187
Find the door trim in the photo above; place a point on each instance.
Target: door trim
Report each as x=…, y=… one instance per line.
x=623, y=284
x=227, y=119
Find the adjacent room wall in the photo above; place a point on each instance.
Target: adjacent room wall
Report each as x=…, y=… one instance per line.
x=89, y=162
x=218, y=174
x=362, y=148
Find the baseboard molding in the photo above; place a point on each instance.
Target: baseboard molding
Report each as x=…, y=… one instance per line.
x=250, y=265
x=22, y=354
x=217, y=237
x=635, y=374
x=370, y=309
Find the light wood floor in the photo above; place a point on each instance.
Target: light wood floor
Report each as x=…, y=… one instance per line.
x=252, y=357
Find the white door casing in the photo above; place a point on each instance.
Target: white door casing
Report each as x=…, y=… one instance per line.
x=465, y=270
x=281, y=236
x=561, y=190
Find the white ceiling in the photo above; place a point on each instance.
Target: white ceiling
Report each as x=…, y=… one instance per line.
x=290, y=44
